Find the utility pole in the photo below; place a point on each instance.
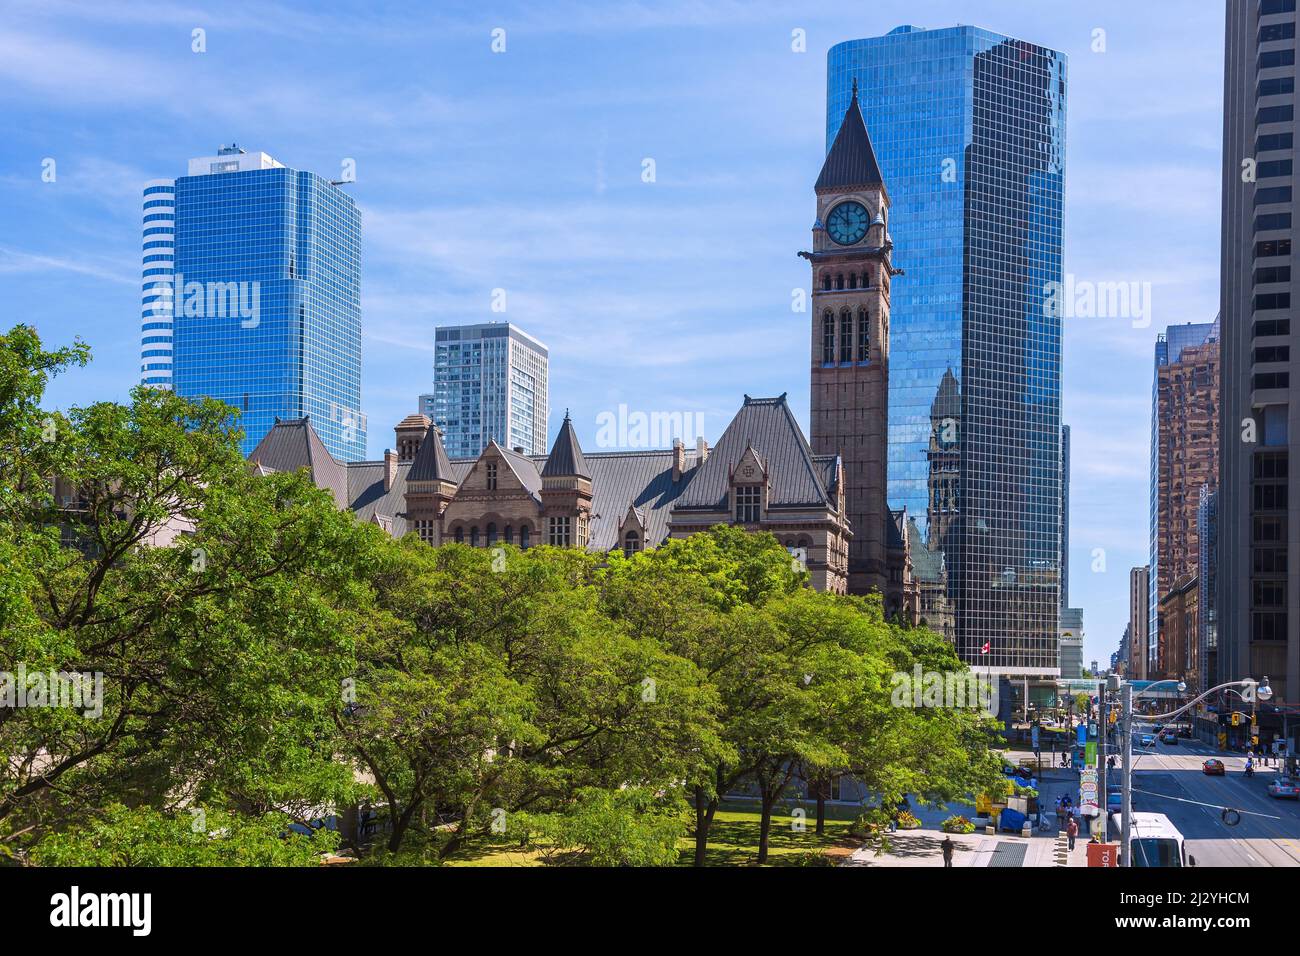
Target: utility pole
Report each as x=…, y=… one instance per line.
x=1103, y=793
x=1126, y=756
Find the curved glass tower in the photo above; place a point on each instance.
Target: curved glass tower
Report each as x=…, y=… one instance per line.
x=970, y=128
x=267, y=306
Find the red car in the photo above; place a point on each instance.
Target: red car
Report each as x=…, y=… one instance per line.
x=1213, y=768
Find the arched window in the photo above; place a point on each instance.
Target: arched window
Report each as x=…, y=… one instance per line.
x=460, y=535
x=839, y=282
x=853, y=280
x=510, y=534
x=864, y=342
x=631, y=543
x=846, y=336
x=525, y=537
x=473, y=537
x=828, y=337
x=491, y=534
x=826, y=282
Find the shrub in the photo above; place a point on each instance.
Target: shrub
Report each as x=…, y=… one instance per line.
x=957, y=824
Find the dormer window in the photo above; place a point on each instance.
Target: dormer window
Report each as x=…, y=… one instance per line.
x=631, y=543
x=749, y=502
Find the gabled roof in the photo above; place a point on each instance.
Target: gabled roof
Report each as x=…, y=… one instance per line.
x=293, y=445
x=565, y=459
x=431, y=462
x=851, y=161
x=795, y=476
x=523, y=467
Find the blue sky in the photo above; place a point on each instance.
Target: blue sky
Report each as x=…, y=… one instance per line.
x=523, y=170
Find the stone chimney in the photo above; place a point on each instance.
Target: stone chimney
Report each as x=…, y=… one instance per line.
x=679, y=459
x=390, y=468
x=701, y=450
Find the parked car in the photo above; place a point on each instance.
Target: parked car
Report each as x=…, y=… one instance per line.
x=1169, y=737
x=1284, y=788
x=1213, y=768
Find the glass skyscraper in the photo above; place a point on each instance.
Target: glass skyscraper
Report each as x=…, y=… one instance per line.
x=266, y=300
x=490, y=383
x=969, y=126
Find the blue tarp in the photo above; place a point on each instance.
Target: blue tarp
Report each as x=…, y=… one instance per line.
x=1011, y=820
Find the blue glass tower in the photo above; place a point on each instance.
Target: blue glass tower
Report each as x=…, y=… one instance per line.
x=266, y=303
x=970, y=128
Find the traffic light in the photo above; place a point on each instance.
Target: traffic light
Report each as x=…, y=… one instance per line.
x=1236, y=719
x=1254, y=740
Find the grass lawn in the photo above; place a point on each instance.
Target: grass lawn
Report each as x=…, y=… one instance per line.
x=733, y=841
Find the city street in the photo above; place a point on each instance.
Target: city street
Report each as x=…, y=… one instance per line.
x=1270, y=839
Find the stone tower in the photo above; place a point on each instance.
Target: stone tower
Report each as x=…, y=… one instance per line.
x=851, y=269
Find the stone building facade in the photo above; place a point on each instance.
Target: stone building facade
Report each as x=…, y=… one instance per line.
x=762, y=476
x=851, y=273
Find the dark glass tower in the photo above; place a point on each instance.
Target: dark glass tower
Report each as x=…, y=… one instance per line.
x=1258, y=506
x=970, y=128
x=267, y=301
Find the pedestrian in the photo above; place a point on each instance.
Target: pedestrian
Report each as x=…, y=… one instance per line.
x=1072, y=830
x=1110, y=762
x=947, y=846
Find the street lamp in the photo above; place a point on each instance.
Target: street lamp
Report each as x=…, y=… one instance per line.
x=1259, y=690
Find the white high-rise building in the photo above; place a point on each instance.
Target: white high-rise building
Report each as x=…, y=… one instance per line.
x=156, y=285
x=490, y=382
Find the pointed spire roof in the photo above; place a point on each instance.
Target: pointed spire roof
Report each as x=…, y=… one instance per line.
x=851, y=161
x=431, y=462
x=565, y=459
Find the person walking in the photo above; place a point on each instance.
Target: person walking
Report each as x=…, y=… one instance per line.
x=1072, y=830
x=947, y=846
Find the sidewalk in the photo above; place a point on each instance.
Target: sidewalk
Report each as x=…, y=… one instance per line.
x=923, y=848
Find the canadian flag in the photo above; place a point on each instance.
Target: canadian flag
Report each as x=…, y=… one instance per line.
x=985, y=648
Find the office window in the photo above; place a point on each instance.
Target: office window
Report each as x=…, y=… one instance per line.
x=1274, y=114
x=1272, y=194
x=1272, y=353
x=1272, y=380
x=1272, y=300
x=1272, y=274
x=1276, y=86
x=1264, y=144
x=1276, y=58
x=1272, y=220
x=1272, y=247
x=1265, y=327
x=1277, y=31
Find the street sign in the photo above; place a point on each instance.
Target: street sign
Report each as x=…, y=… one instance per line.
x=1034, y=734
x=1088, y=805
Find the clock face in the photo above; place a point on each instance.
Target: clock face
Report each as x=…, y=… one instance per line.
x=848, y=223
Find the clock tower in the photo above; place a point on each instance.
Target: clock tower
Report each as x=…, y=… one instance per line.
x=851, y=272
